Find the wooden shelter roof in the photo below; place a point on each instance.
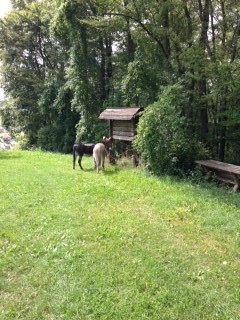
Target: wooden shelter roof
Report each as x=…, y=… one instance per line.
x=119, y=113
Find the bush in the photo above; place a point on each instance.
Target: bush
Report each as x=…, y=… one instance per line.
x=22, y=140
x=161, y=135
x=184, y=154
x=49, y=138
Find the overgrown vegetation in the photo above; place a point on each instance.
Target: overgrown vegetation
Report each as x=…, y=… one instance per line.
x=119, y=245
x=162, y=137
x=64, y=61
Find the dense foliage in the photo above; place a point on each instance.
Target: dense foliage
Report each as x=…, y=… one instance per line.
x=64, y=61
x=162, y=139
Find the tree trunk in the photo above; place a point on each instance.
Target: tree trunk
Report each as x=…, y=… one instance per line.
x=222, y=143
x=204, y=17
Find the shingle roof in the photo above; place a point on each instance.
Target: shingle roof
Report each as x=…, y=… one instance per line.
x=119, y=113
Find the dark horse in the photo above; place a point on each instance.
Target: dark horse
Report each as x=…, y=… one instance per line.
x=79, y=149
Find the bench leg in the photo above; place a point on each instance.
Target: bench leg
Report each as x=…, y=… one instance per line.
x=236, y=181
x=235, y=188
x=208, y=173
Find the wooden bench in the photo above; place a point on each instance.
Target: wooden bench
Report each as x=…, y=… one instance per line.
x=225, y=172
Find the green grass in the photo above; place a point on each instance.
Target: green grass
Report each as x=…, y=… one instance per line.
x=119, y=245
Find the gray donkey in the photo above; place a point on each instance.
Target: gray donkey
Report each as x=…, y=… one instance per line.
x=99, y=153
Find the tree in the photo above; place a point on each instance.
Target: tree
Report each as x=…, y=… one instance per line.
x=25, y=54
x=33, y=74
x=74, y=58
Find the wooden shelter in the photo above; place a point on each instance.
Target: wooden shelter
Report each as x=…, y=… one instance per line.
x=122, y=122
x=122, y=127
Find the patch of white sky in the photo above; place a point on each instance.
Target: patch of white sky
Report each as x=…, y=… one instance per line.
x=5, y=6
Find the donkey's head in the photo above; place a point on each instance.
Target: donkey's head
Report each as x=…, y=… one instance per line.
x=107, y=142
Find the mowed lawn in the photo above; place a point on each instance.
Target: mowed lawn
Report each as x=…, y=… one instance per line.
x=118, y=245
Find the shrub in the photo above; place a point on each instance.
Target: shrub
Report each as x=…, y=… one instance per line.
x=48, y=138
x=184, y=153
x=22, y=140
x=161, y=137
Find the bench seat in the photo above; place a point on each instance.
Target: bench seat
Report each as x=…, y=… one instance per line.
x=224, y=172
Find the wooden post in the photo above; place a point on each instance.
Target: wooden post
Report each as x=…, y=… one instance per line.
x=112, y=158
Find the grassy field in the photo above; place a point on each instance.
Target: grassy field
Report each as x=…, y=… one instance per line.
x=119, y=245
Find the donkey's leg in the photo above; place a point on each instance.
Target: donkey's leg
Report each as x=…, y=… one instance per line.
x=95, y=163
x=96, y=160
x=103, y=164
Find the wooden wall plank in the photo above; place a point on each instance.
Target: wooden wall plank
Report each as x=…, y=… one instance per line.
x=124, y=138
x=123, y=133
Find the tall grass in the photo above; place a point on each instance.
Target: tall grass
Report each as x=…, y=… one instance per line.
x=118, y=245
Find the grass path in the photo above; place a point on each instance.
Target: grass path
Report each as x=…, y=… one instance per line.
x=119, y=245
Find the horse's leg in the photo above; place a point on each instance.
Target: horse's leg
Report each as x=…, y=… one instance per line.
x=80, y=162
x=74, y=159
